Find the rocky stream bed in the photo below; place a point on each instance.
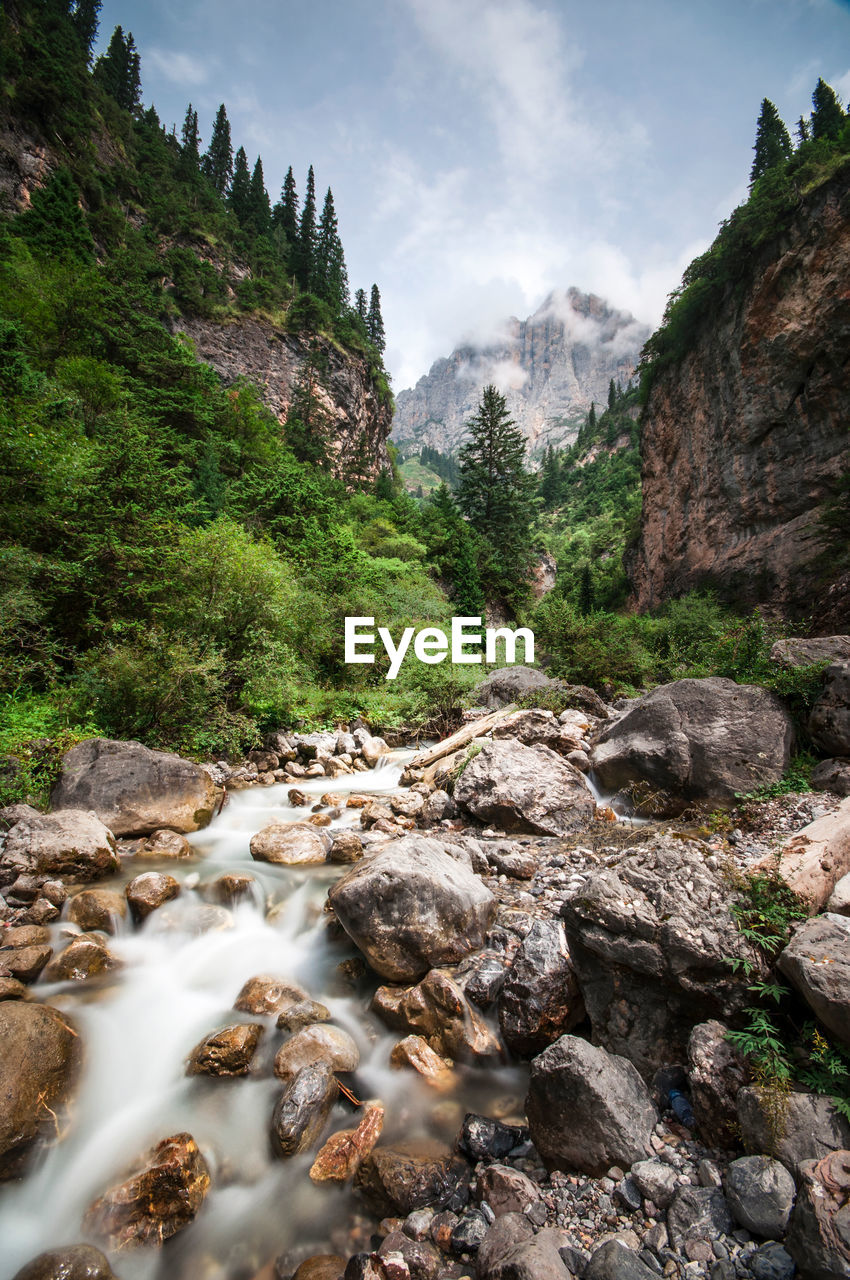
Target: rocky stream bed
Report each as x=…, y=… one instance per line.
x=338, y=1010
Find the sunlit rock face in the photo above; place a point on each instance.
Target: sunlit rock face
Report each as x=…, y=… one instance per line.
x=745, y=441
x=549, y=367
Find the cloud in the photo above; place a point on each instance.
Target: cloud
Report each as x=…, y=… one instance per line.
x=179, y=68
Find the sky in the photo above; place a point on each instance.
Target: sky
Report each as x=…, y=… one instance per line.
x=484, y=152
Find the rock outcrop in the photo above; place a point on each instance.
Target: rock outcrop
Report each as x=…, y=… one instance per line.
x=745, y=439
x=528, y=789
x=550, y=367
x=39, y=1067
x=358, y=418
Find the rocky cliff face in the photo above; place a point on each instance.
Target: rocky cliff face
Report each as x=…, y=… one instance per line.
x=358, y=421
x=550, y=367
x=745, y=441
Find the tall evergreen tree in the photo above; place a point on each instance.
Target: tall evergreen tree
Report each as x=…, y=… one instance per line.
x=360, y=304
x=190, y=137
x=495, y=492
x=119, y=70
x=591, y=419
x=86, y=20
x=305, y=249
x=218, y=161
x=375, y=321
x=239, y=196
x=331, y=272
x=55, y=223
x=772, y=144
x=827, y=116
x=612, y=394
x=259, y=216
x=802, y=131
x=286, y=210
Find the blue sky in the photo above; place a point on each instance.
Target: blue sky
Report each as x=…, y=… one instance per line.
x=482, y=152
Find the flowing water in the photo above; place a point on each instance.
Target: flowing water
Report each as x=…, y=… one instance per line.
x=177, y=985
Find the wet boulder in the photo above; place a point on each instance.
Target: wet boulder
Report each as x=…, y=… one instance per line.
x=416, y=1053
x=227, y=1052
x=817, y=962
x=437, y=1009
x=347, y=847
x=149, y=891
x=160, y=1197
x=84, y=957
x=75, y=1262
x=39, y=1067
x=696, y=740
x=410, y=1175
x=303, y=1014
x=344, y=1152
x=302, y=1110
x=588, y=1109
x=411, y=906
x=266, y=993
x=73, y=844
x=290, y=844
x=98, y=909
x=320, y=1043
x=524, y=789
x=540, y=1000
x=134, y=790
x=24, y=951
x=167, y=844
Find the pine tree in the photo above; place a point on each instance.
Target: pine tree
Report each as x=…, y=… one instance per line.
x=286, y=210
x=54, y=221
x=239, y=196
x=772, y=145
x=190, y=138
x=612, y=394
x=802, y=131
x=495, y=491
x=375, y=321
x=308, y=423
x=360, y=304
x=331, y=274
x=827, y=116
x=586, y=595
x=118, y=70
x=591, y=419
x=550, y=478
x=218, y=161
x=259, y=214
x=86, y=22
x=305, y=246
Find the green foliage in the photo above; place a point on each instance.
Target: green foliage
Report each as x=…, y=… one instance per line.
x=827, y=1069
x=795, y=779
x=764, y=910
x=772, y=144
x=55, y=224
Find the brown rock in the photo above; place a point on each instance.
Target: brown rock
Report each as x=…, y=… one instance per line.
x=322, y=1266
x=229, y=889
x=347, y=847
x=149, y=891
x=304, y=1014
x=83, y=958
x=817, y=962
x=167, y=844
x=818, y=1236
x=410, y=1175
x=73, y=844
x=302, y=1110
x=332, y=800
x=38, y=1070
x=373, y=812
x=438, y=1009
x=816, y=858
x=807, y=1126
x=76, y=1262
x=161, y=1196
x=343, y=1153
x=133, y=790
x=266, y=994
x=227, y=1052
x=415, y=1052
x=12, y=989
x=519, y=788
x=298, y=799
x=319, y=819
x=716, y=1072
x=321, y=1043
x=290, y=844
x=98, y=909
x=506, y=1190
x=24, y=951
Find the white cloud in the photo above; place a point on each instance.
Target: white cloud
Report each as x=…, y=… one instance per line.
x=179, y=68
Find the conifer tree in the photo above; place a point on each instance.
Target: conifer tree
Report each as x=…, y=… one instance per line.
x=495, y=491
x=772, y=144
x=360, y=304
x=119, y=70
x=239, y=196
x=190, y=138
x=612, y=394
x=375, y=321
x=286, y=210
x=550, y=478
x=55, y=223
x=827, y=115
x=331, y=272
x=218, y=161
x=86, y=20
x=591, y=419
x=259, y=213
x=802, y=131
x=305, y=249
x=586, y=594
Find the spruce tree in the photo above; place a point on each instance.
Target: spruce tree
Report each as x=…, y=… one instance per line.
x=286, y=211
x=86, y=22
x=305, y=247
x=218, y=161
x=802, y=131
x=612, y=394
x=586, y=594
x=591, y=419
x=360, y=304
x=495, y=492
x=772, y=145
x=54, y=221
x=827, y=116
x=118, y=70
x=375, y=321
x=239, y=196
x=259, y=215
x=331, y=273
x=190, y=138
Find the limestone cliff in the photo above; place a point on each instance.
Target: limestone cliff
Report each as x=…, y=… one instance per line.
x=549, y=367
x=746, y=439
x=358, y=420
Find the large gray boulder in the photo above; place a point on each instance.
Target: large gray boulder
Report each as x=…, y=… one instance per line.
x=39, y=1067
x=540, y=1000
x=411, y=907
x=696, y=740
x=810, y=1126
x=650, y=939
x=716, y=1073
x=525, y=789
x=508, y=684
x=290, y=844
x=72, y=844
x=588, y=1109
x=802, y=651
x=134, y=790
x=817, y=961
x=819, y=1232
x=760, y=1192
x=829, y=722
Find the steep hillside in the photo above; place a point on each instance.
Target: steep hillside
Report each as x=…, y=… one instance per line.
x=745, y=442
x=550, y=367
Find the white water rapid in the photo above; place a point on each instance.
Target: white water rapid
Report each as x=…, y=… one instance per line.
x=177, y=985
